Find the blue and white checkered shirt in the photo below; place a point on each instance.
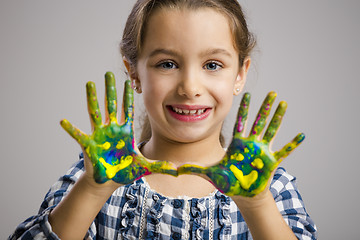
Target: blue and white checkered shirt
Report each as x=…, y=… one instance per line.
x=135, y=211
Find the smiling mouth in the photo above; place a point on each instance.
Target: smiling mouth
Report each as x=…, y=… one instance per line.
x=189, y=112
x=186, y=113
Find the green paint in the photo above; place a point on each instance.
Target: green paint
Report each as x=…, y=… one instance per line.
x=93, y=105
x=111, y=99
x=244, y=170
x=248, y=163
x=242, y=114
x=263, y=114
x=111, y=146
x=275, y=121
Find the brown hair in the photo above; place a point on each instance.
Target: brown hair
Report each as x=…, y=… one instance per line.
x=133, y=36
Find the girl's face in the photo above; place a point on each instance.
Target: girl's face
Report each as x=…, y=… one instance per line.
x=188, y=72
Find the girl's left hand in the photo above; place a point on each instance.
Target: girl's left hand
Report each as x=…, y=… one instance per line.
x=248, y=164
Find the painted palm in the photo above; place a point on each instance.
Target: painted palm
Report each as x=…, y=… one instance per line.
x=248, y=162
x=111, y=147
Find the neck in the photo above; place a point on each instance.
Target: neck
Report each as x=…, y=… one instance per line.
x=204, y=152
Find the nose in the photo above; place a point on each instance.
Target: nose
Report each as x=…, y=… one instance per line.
x=190, y=85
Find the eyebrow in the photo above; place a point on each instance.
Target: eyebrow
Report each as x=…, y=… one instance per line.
x=163, y=51
x=214, y=51
x=211, y=51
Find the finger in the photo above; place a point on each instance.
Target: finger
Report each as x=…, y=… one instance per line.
x=162, y=167
x=275, y=122
x=242, y=114
x=93, y=105
x=288, y=148
x=78, y=135
x=188, y=168
x=111, y=99
x=128, y=103
x=262, y=115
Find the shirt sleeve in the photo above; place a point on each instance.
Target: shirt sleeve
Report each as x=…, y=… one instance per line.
x=290, y=204
x=38, y=226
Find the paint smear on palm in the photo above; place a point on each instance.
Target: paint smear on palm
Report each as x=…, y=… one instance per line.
x=112, y=170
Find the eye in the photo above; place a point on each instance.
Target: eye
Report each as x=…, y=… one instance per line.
x=212, y=66
x=167, y=65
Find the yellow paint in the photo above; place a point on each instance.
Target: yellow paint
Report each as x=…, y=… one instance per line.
x=111, y=170
x=165, y=166
x=120, y=144
x=87, y=150
x=185, y=168
x=237, y=156
x=258, y=163
x=105, y=146
x=247, y=180
x=112, y=117
x=260, y=188
x=246, y=150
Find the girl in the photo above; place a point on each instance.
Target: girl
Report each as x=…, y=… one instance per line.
x=187, y=59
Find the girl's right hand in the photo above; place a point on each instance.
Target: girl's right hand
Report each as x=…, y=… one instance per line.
x=111, y=147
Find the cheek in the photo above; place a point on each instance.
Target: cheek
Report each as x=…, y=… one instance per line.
x=227, y=102
x=155, y=92
x=154, y=88
x=224, y=95
x=224, y=89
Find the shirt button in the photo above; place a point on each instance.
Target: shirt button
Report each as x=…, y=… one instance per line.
x=176, y=235
x=156, y=197
x=177, y=203
x=154, y=221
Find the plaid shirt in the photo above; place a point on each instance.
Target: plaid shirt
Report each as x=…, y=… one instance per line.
x=135, y=211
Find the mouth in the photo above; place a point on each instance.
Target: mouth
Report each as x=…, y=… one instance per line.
x=193, y=112
x=188, y=113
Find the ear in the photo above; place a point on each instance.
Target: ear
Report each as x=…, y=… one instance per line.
x=135, y=82
x=241, y=77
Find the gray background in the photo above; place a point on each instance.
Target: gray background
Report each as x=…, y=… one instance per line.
x=307, y=51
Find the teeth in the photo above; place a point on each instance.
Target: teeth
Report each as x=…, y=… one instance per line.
x=188, y=112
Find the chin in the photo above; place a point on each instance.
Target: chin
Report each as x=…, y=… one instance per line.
x=188, y=137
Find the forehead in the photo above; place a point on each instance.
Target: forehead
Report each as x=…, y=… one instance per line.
x=186, y=27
